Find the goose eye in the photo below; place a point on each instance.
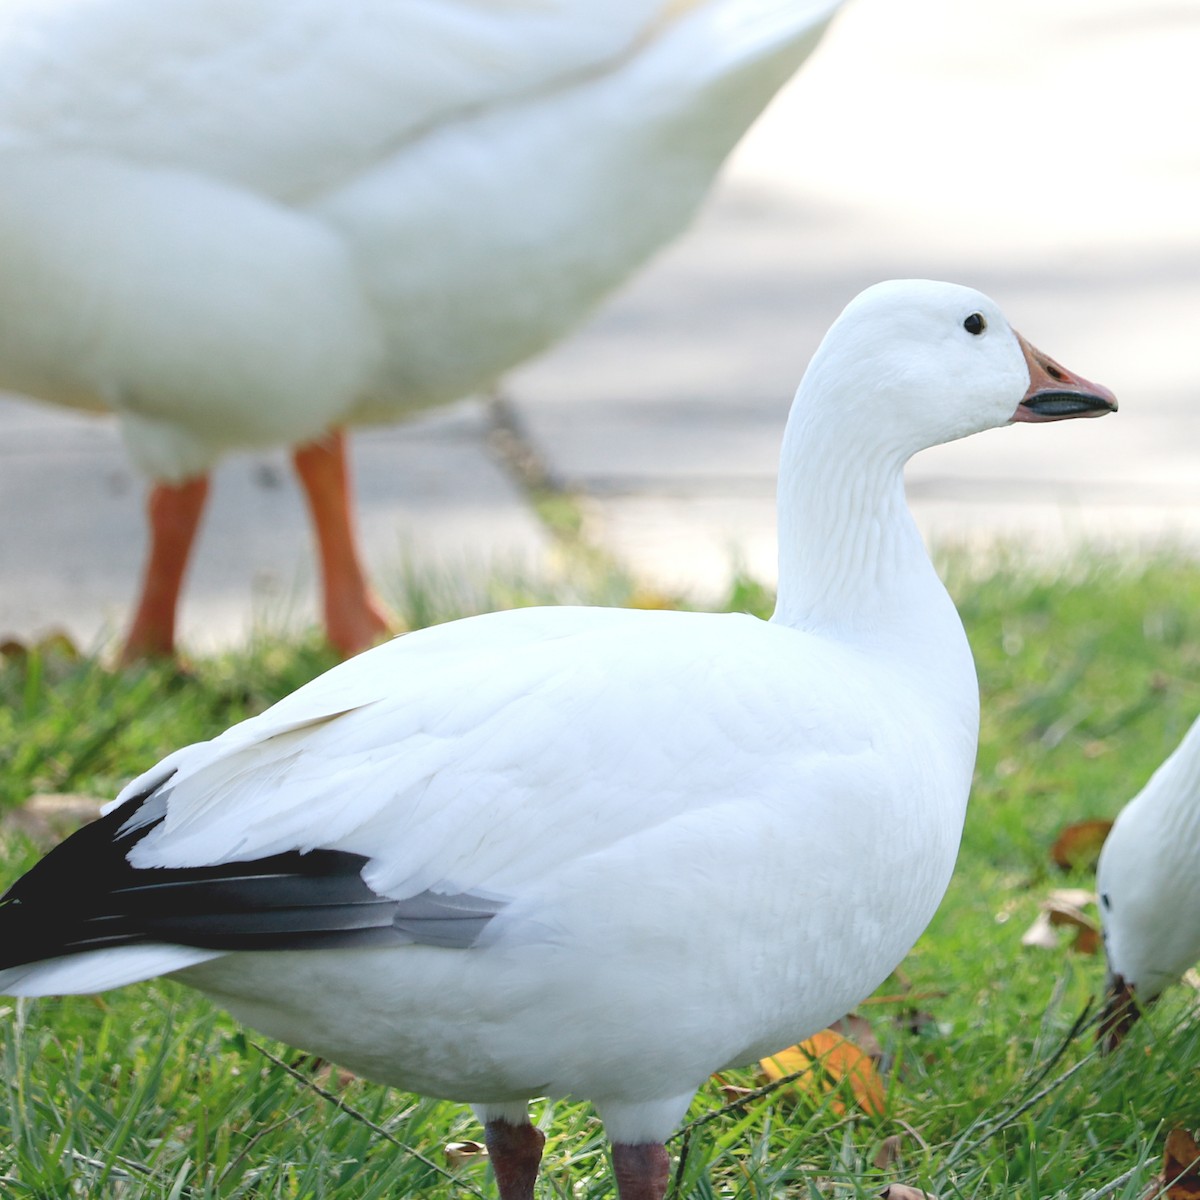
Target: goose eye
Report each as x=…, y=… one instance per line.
x=975, y=323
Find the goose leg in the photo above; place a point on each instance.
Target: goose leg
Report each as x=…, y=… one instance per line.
x=515, y=1152
x=642, y=1171
x=174, y=515
x=354, y=616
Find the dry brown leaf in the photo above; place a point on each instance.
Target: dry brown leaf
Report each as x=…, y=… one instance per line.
x=338, y=1078
x=858, y=1030
x=56, y=643
x=1079, y=845
x=733, y=1093
x=826, y=1059
x=460, y=1153
x=1181, y=1166
x=1063, y=908
x=1041, y=934
x=916, y=1021
x=901, y=1191
x=889, y=1152
x=1067, y=914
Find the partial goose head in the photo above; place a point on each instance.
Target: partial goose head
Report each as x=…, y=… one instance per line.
x=909, y=364
x=1148, y=880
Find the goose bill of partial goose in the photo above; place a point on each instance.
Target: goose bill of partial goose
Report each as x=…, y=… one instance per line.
x=1120, y=1012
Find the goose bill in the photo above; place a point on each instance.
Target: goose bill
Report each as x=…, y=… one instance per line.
x=1056, y=394
x=1119, y=1015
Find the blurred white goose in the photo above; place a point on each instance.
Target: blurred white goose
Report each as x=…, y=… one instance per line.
x=239, y=225
x=1148, y=879
x=488, y=861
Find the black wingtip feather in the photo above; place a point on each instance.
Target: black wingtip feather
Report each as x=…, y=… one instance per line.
x=86, y=895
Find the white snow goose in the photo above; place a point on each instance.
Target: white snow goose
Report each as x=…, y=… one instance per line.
x=484, y=861
x=1148, y=879
x=253, y=224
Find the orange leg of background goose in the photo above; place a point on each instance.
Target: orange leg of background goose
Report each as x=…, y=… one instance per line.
x=174, y=511
x=354, y=616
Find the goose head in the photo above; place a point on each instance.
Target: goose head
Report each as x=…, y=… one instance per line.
x=1132, y=935
x=909, y=364
x=1149, y=914
x=933, y=362
x=1149, y=889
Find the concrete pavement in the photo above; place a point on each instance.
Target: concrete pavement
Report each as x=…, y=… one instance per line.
x=1044, y=152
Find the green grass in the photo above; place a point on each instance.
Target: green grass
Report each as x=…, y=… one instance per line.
x=1089, y=679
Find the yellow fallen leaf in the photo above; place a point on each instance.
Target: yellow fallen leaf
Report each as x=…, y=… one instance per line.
x=825, y=1060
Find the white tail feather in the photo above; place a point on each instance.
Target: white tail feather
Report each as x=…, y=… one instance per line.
x=98, y=970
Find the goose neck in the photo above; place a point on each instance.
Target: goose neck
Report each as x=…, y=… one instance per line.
x=850, y=556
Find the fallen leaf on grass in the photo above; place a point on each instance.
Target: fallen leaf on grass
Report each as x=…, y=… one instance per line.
x=858, y=1030
x=889, y=1152
x=901, y=1191
x=1181, y=1166
x=1063, y=909
x=1079, y=845
x=826, y=1060
x=460, y=1153
x=337, y=1079
x=1180, y=1177
x=55, y=644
